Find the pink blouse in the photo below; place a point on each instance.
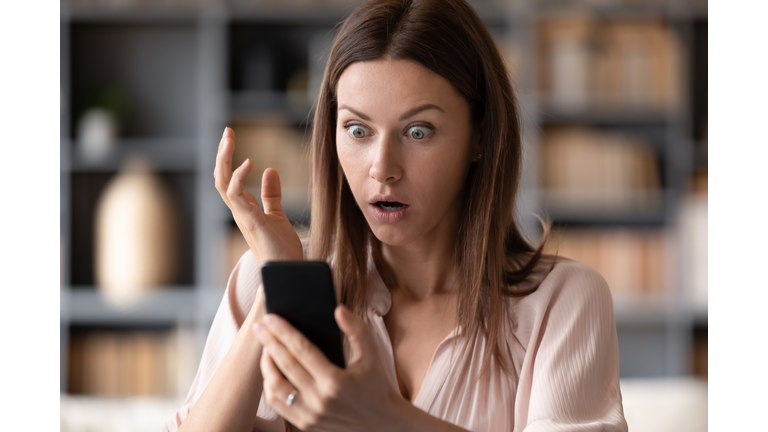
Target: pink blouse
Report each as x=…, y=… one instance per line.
x=561, y=341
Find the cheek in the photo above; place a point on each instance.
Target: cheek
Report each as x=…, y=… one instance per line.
x=352, y=161
x=445, y=179
x=342, y=152
x=444, y=175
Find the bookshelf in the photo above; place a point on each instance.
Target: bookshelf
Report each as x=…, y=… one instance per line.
x=188, y=68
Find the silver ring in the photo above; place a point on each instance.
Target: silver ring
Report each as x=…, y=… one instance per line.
x=291, y=398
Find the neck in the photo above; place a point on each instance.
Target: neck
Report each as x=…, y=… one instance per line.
x=425, y=267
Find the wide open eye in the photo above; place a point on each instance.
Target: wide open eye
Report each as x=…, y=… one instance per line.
x=358, y=131
x=419, y=132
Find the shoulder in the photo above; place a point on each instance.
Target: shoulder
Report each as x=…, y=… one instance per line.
x=576, y=280
x=562, y=279
x=569, y=367
x=570, y=294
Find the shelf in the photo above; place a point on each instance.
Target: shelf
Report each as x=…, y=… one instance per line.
x=100, y=413
x=131, y=14
x=598, y=218
x=189, y=70
x=701, y=318
x=250, y=105
x=491, y=14
x=588, y=210
x=638, y=310
x=165, y=154
x=616, y=11
x=323, y=13
x=288, y=13
x=626, y=116
x=167, y=305
x=145, y=71
x=701, y=156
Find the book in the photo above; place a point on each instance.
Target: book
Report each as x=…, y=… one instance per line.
x=632, y=64
x=633, y=261
x=585, y=169
x=131, y=362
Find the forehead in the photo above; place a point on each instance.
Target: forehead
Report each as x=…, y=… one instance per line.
x=391, y=83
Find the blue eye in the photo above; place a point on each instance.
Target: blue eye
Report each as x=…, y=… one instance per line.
x=358, y=131
x=419, y=132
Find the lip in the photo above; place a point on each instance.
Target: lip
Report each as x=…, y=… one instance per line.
x=388, y=216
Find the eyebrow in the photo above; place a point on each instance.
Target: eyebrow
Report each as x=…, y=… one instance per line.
x=407, y=114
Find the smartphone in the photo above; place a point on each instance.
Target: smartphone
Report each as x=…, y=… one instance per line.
x=302, y=293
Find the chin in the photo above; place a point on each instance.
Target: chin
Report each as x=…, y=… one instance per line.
x=391, y=235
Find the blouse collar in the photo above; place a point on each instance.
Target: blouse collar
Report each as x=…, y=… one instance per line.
x=379, y=297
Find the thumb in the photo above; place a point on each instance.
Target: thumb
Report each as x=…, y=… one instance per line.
x=271, y=191
x=357, y=333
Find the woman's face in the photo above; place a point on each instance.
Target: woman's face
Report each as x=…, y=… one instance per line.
x=405, y=142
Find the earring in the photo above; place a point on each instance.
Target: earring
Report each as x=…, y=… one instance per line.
x=479, y=156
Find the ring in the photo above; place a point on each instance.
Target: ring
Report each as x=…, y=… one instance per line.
x=291, y=398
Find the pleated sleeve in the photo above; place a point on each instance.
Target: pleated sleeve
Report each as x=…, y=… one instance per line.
x=235, y=305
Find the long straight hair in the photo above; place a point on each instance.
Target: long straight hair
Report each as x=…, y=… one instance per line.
x=491, y=256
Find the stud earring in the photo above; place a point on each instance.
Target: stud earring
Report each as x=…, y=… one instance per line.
x=479, y=156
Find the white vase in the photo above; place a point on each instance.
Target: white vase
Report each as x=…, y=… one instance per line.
x=96, y=134
x=135, y=238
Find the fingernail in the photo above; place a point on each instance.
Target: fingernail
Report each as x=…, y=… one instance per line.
x=243, y=164
x=257, y=328
x=225, y=132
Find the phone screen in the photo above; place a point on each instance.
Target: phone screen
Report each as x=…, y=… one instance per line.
x=302, y=293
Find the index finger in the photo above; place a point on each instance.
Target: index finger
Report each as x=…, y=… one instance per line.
x=222, y=172
x=307, y=353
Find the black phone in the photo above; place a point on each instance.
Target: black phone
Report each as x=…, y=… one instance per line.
x=302, y=293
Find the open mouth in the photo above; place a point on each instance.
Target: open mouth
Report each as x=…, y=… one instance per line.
x=390, y=206
x=388, y=211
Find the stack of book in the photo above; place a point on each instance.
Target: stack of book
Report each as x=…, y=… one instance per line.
x=131, y=363
x=586, y=169
x=635, y=262
x=590, y=64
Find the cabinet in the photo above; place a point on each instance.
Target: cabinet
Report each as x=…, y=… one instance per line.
x=178, y=72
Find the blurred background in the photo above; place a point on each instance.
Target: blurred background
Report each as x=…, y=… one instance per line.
x=614, y=101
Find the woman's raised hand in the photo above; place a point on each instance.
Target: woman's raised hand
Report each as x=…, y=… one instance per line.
x=268, y=233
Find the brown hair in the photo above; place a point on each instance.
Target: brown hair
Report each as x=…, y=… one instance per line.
x=447, y=37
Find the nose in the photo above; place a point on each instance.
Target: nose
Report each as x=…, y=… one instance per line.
x=386, y=166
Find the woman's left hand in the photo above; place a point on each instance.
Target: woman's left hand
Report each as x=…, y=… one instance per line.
x=328, y=398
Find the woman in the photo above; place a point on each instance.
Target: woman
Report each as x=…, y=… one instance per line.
x=453, y=321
